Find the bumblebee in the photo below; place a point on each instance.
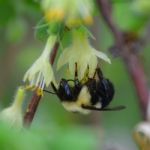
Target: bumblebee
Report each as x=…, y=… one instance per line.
x=83, y=96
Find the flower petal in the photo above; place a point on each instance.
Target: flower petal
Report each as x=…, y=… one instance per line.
x=101, y=55
x=63, y=58
x=92, y=65
x=82, y=65
x=47, y=73
x=41, y=70
x=72, y=67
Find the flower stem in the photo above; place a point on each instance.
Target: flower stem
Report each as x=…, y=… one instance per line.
x=54, y=52
x=33, y=105
x=128, y=55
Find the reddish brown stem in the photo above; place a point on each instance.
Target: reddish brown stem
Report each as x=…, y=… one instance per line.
x=131, y=60
x=33, y=105
x=137, y=74
x=106, y=11
x=54, y=52
x=32, y=108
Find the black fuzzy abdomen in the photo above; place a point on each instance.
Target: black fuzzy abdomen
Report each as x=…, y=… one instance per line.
x=92, y=87
x=105, y=90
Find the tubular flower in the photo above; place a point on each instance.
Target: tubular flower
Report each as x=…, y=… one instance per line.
x=41, y=73
x=73, y=12
x=13, y=114
x=82, y=53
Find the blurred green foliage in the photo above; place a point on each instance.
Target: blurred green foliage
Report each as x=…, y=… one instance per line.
x=53, y=127
x=47, y=139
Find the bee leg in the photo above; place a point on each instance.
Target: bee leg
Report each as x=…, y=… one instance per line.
x=76, y=71
x=86, y=75
x=94, y=74
x=48, y=91
x=76, y=81
x=99, y=73
x=87, y=72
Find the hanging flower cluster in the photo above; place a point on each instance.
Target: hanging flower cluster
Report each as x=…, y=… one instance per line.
x=62, y=18
x=61, y=15
x=72, y=12
x=81, y=52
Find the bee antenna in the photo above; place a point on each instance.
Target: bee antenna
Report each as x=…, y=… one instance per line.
x=53, y=86
x=76, y=71
x=99, y=73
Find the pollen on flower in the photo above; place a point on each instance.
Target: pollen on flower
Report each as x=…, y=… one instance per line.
x=54, y=14
x=71, y=12
x=88, y=20
x=39, y=92
x=73, y=22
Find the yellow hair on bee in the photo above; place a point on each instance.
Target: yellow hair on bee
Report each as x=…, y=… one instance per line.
x=83, y=99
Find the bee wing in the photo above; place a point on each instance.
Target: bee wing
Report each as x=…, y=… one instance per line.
x=116, y=108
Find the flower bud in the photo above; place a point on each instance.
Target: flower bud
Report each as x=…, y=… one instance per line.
x=13, y=114
x=142, y=135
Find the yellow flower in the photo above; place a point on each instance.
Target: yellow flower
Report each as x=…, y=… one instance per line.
x=13, y=114
x=41, y=72
x=54, y=9
x=82, y=53
x=72, y=12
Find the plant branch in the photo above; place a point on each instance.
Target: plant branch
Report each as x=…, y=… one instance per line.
x=54, y=52
x=33, y=105
x=128, y=55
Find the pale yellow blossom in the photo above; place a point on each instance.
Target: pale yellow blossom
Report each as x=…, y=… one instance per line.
x=82, y=53
x=41, y=72
x=72, y=12
x=13, y=114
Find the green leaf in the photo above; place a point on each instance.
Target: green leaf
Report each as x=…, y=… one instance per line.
x=41, y=30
